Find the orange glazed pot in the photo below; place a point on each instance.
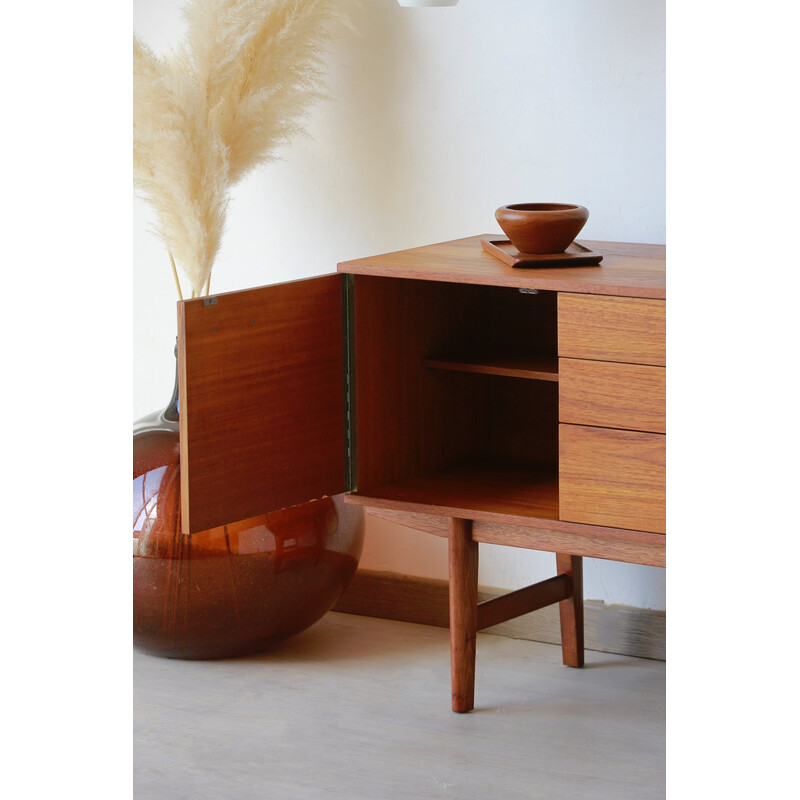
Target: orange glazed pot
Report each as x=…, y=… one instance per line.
x=233, y=590
x=541, y=228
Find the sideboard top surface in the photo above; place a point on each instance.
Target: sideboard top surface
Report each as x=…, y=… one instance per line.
x=627, y=269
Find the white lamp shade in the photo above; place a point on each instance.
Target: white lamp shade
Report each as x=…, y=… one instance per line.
x=427, y=3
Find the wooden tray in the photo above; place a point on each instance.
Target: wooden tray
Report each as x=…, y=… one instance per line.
x=576, y=255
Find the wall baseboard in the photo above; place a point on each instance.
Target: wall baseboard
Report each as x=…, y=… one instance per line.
x=609, y=629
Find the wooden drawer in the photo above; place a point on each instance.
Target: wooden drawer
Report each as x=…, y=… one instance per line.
x=627, y=329
x=612, y=395
x=612, y=477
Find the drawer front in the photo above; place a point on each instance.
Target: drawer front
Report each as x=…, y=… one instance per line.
x=612, y=477
x=612, y=395
x=627, y=329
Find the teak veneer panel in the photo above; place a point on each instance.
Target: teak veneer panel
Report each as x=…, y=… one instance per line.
x=627, y=270
x=407, y=419
x=542, y=368
x=593, y=541
x=262, y=417
x=413, y=420
x=612, y=477
x=465, y=491
x=610, y=395
x=625, y=329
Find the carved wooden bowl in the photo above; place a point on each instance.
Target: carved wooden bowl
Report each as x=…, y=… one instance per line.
x=541, y=227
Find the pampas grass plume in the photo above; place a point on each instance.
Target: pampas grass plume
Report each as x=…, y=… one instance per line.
x=204, y=116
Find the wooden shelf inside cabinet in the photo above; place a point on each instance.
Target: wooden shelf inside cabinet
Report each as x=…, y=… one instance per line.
x=537, y=368
x=529, y=491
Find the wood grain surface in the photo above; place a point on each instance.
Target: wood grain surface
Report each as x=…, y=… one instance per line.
x=610, y=395
x=612, y=477
x=608, y=628
x=523, y=601
x=542, y=368
x=627, y=270
x=468, y=490
x=413, y=420
x=570, y=610
x=612, y=329
x=575, y=255
x=261, y=377
x=463, y=563
x=409, y=419
x=596, y=541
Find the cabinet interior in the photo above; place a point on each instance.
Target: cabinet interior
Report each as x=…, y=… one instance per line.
x=456, y=399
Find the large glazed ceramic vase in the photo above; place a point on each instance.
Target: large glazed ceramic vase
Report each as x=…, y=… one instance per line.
x=234, y=589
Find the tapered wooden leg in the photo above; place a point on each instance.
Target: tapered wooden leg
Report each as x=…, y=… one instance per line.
x=571, y=610
x=463, y=554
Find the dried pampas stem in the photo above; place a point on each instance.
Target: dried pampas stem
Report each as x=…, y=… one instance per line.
x=241, y=85
x=175, y=275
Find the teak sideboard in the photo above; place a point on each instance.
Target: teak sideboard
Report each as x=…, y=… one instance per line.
x=452, y=393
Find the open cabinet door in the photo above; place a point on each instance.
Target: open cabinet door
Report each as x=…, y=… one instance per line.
x=262, y=400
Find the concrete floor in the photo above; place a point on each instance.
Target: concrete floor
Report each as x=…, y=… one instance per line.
x=357, y=708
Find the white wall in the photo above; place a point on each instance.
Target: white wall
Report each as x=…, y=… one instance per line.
x=440, y=116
